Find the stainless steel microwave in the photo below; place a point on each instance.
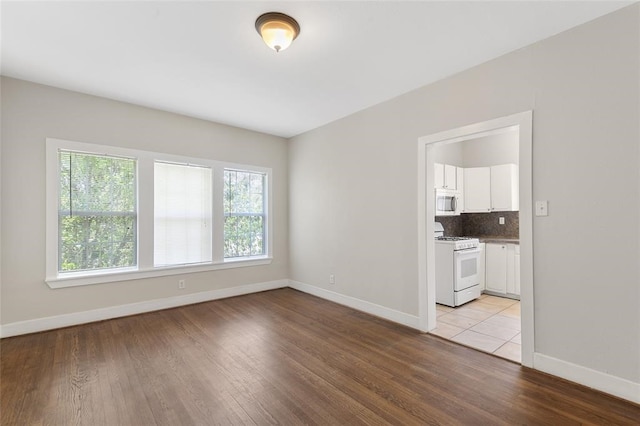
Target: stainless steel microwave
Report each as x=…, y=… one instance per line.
x=447, y=203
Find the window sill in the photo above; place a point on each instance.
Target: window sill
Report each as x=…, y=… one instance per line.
x=128, y=275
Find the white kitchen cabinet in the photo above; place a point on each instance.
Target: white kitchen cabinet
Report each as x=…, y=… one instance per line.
x=481, y=272
x=504, y=188
x=517, y=269
x=445, y=176
x=511, y=269
x=502, y=268
x=496, y=268
x=450, y=177
x=488, y=189
x=477, y=190
x=438, y=175
x=460, y=187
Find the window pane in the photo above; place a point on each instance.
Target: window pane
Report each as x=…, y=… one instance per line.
x=97, y=212
x=182, y=212
x=97, y=242
x=244, y=208
x=244, y=236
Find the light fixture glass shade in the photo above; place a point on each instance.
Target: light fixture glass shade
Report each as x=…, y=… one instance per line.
x=277, y=30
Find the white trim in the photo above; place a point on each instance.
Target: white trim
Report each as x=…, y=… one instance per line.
x=603, y=382
x=525, y=177
x=426, y=277
x=74, y=280
x=76, y=318
x=358, y=304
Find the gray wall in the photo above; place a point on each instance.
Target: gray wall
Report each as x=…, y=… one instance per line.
x=31, y=113
x=353, y=185
x=486, y=151
x=452, y=153
x=491, y=150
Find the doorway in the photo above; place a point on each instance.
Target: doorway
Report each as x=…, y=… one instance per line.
x=522, y=124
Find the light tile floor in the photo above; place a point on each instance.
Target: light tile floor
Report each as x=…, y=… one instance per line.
x=490, y=324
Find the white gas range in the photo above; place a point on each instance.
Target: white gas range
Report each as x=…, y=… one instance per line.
x=457, y=268
x=459, y=243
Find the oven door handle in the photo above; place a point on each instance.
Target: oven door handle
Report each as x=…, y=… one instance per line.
x=468, y=251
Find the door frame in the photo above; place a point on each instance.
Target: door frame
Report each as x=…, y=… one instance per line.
x=523, y=121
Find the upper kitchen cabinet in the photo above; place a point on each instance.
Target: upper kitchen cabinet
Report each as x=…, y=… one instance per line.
x=438, y=181
x=477, y=190
x=445, y=176
x=460, y=187
x=491, y=189
x=504, y=188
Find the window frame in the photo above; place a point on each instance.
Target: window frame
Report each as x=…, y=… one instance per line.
x=134, y=213
x=263, y=214
x=145, y=204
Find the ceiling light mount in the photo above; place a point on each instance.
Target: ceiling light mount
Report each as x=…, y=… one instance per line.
x=277, y=30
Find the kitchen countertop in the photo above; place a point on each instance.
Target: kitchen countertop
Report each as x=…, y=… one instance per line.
x=499, y=240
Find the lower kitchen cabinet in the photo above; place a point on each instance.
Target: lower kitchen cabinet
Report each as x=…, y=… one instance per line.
x=511, y=268
x=517, y=268
x=502, y=268
x=481, y=272
x=496, y=268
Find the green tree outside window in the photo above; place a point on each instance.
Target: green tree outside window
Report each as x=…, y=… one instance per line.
x=244, y=213
x=97, y=214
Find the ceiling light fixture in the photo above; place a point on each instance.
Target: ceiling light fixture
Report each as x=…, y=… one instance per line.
x=277, y=30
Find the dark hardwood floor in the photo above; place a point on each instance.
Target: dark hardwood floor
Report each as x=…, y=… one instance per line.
x=278, y=357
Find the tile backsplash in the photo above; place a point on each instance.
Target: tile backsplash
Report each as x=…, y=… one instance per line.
x=452, y=225
x=481, y=225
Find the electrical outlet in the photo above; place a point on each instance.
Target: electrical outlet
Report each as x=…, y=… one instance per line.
x=181, y=284
x=501, y=221
x=542, y=208
x=332, y=279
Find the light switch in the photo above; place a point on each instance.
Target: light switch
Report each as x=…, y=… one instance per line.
x=542, y=208
x=501, y=220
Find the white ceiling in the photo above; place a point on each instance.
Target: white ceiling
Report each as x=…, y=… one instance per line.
x=205, y=59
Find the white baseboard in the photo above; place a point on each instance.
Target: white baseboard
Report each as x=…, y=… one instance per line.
x=66, y=320
x=359, y=304
x=604, y=382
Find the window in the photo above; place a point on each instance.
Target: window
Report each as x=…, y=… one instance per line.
x=182, y=214
x=117, y=214
x=97, y=212
x=244, y=213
